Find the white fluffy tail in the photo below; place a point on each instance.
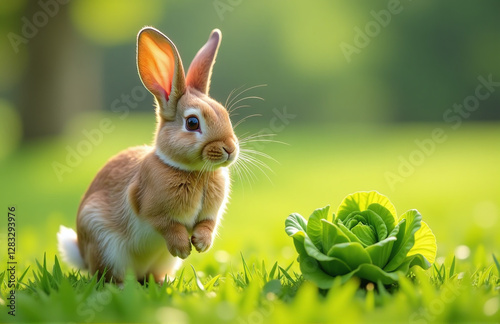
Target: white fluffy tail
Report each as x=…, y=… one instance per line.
x=68, y=247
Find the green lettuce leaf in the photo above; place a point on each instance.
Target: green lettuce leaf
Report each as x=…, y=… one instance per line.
x=381, y=251
x=312, y=271
x=384, y=213
x=405, y=239
x=315, y=227
x=365, y=240
x=347, y=232
x=373, y=273
x=313, y=251
x=413, y=260
x=425, y=243
x=332, y=235
x=353, y=254
x=360, y=201
x=295, y=223
x=365, y=234
x=335, y=267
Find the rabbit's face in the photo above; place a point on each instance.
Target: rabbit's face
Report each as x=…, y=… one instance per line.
x=200, y=137
x=194, y=131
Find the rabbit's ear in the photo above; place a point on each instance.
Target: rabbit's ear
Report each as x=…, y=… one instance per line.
x=160, y=69
x=200, y=70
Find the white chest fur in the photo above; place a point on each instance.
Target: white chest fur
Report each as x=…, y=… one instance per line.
x=147, y=251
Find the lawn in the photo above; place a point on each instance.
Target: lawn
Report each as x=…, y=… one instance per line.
x=251, y=274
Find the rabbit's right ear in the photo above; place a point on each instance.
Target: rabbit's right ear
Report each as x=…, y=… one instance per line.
x=161, y=71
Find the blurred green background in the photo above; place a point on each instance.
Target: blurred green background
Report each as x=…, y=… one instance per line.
x=357, y=120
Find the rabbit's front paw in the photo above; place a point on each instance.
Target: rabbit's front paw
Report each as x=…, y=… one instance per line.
x=178, y=242
x=202, y=236
x=180, y=249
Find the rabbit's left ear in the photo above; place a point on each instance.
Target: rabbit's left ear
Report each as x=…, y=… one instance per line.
x=200, y=70
x=160, y=69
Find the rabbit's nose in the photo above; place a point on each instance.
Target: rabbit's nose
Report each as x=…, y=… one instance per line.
x=228, y=149
x=229, y=146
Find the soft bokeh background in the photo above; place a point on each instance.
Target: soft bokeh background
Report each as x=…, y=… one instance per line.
x=354, y=121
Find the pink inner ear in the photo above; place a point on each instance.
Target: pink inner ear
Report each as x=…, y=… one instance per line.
x=159, y=66
x=200, y=70
x=159, y=91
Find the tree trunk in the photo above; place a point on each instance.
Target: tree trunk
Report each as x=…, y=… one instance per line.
x=62, y=75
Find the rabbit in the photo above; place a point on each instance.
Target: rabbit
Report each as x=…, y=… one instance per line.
x=148, y=205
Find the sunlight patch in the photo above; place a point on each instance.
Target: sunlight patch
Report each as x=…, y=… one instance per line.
x=462, y=252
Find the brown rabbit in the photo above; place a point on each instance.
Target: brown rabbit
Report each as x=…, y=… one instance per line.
x=148, y=204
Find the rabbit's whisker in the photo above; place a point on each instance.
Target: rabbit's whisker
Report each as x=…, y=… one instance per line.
x=246, y=171
x=250, y=160
x=239, y=122
x=230, y=103
x=256, y=161
x=231, y=93
x=231, y=109
x=254, y=136
x=267, y=156
x=262, y=140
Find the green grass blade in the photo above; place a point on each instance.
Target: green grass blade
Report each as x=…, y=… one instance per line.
x=264, y=271
x=44, y=276
x=496, y=263
x=90, y=286
x=180, y=283
x=20, y=280
x=246, y=270
x=289, y=266
x=209, y=285
x=102, y=280
x=197, y=280
x=239, y=280
x=485, y=276
x=452, y=268
x=382, y=291
x=153, y=287
x=441, y=279
x=285, y=273
x=273, y=271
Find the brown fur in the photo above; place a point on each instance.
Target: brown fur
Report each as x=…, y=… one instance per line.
x=182, y=197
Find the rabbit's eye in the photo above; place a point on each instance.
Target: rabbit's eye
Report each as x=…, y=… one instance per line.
x=192, y=123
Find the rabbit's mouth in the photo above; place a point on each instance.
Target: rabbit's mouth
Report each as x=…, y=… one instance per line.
x=221, y=153
x=231, y=156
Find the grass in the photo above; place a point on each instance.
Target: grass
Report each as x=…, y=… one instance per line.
x=250, y=275
x=256, y=293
